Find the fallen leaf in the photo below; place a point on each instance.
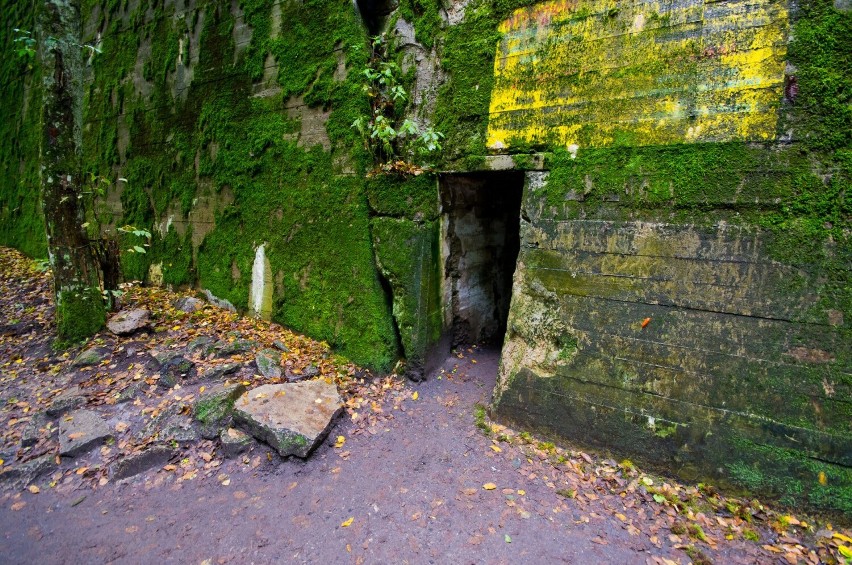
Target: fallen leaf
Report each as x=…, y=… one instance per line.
x=495, y=449
x=340, y=441
x=121, y=427
x=348, y=522
x=489, y=486
x=645, y=322
x=469, y=491
x=521, y=492
x=415, y=396
x=33, y=489
x=507, y=538
x=18, y=505
x=169, y=467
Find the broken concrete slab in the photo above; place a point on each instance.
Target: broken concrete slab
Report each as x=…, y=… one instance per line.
x=129, y=321
x=293, y=418
x=136, y=463
x=268, y=363
x=214, y=407
x=81, y=431
x=234, y=442
x=71, y=399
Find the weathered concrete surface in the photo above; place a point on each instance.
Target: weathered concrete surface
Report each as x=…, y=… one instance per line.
x=683, y=346
x=80, y=431
x=293, y=418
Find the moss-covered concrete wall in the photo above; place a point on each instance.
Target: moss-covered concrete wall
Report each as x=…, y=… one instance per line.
x=689, y=163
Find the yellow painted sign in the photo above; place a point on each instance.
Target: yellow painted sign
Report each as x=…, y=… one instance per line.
x=648, y=72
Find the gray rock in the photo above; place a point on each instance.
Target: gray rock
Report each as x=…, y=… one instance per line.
x=180, y=429
x=219, y=371
x=91, y=356
x=71, y=399
x=234, y=442
x=130, y=392
x=214, y=407
x=228, y=348
x=129, y=321
x=162, y=357
x=176, y=370
x=188, y=304
x=311, y=371
x=81, y=431
x=22, y=474
x=268, y=363
x=156, y=424
x=293, y=418
x=203, y=343
x=132, y=465
x=278, y=344
x=34, y=430
x=220, y=302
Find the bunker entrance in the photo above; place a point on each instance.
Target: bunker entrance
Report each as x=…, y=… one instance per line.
x=481, y=240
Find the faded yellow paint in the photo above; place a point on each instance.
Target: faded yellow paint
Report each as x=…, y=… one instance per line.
x=596, y=72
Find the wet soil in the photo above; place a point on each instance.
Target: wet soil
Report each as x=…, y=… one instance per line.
x=413, y=489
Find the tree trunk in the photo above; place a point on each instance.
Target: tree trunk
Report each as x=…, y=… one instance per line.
x=80, y=310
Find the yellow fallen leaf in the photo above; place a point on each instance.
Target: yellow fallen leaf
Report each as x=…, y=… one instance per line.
x=489, y=486
x=340, y=441
x=347, y=523
x=845, y=551
x=415, y=396
x=81, y=470
x=175, y=328
x=841, y=537
x=823, y=480
x=202, y=389
x=33, y=489
x=521, y=492
x=496, y=449
x=1, y=461
x=621, y=516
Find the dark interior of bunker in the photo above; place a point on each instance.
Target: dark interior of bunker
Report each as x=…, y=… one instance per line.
x=481, y=219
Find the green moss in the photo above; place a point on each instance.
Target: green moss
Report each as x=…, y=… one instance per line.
x=79, y=314
x=401, y=196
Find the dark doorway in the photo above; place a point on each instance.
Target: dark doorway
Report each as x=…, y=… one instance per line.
x=481, y=220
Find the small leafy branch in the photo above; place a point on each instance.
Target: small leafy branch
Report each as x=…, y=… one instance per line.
x=25, y=47
x=384, y=137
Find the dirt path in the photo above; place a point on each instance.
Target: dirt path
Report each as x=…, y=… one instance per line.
x=414, y=491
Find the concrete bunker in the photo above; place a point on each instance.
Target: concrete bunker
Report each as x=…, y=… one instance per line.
x=480, y=242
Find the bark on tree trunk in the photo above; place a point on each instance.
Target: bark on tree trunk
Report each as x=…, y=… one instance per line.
x=80, y=308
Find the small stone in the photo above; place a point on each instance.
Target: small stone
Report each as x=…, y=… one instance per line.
x=81, y=431
x=203, y=343
x=91, y=356
x=71, y=399
x=34, y=430
x=176, y=370
x=188, y=304
x=129, y=321
x=132, y=465
x=268, y=363
x=214, y=407
x=180, y=429
x=310, y=371
x=162, y=357
x=234, y=442
x=219, y=371
x=293, y=418
x=278, y=344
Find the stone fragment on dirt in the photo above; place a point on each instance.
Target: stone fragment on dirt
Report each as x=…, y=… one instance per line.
x=293, y=418
x=71, y=399
x=136, y=463
x=80, y=431
x=214, y=407
x=180, y=429
x=129, y=321
x=91, y=356
x=188, y=304
x=20, y=475
x=219, y=371
x=268, y=363
x=203, y=343
x=278, y=344
x=32, y=433
x=234, y=442
x=176, y=370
